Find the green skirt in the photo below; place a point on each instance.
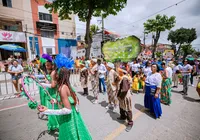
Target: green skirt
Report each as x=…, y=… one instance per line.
x=166, y=91
x=72, y=126
x=43, y=96
x=52, y=119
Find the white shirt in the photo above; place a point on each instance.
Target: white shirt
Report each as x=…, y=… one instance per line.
x=134, y=67
x=15, y=69
x=154, y=79
x=186, y=68
x=176, y=68
x=169, y=70
x=147, y=70
x=101, y=70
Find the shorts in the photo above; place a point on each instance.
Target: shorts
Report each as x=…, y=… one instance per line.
x=16, y=77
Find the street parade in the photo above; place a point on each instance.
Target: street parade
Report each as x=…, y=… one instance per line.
x=59, y=84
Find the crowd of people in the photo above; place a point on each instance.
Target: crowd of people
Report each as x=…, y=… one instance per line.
x=120, y=80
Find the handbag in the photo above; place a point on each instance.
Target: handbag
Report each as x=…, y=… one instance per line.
x=153, y=91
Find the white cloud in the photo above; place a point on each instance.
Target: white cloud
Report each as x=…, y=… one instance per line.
x=187, y=15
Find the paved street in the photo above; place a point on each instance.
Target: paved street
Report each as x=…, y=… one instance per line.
x=180, y=120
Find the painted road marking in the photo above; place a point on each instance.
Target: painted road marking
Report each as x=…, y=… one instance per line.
x=13, y=107
x=122, y=127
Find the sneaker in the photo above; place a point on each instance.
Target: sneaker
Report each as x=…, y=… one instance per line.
x=128, y=128
x=104, y=93
x=96, y=102
x=192, y=85
x=115, y=109
x=108, y=106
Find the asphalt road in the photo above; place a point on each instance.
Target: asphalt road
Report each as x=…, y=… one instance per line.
x=180, y=120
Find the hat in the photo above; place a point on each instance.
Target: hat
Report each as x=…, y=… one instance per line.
x=111, y=65
x=94, y=60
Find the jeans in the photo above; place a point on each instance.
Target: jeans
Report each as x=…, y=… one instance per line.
x=191, y=79
x=102, y=81
x=186, y=79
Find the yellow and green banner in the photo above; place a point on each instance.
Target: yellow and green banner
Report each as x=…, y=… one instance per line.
x=122, y=49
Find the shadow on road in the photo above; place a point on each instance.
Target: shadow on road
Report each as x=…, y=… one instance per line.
x=147, y=112
x=191, y=99
x=48, y=135
x=103, y=104
x=90, y=98
x=114, y=116
x=175, y=91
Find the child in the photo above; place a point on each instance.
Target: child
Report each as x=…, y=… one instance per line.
x=84, y=78
x=135, y=84
x=198, y=86
x=142, y=80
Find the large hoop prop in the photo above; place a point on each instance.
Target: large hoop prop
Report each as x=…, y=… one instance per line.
x=26, y=80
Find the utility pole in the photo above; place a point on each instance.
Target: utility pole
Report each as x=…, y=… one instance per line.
x=26, y=29
x=144, y=38
x=102, y=22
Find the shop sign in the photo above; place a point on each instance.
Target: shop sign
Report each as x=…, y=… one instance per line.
x=9, y=36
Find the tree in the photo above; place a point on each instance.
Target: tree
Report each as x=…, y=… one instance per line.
x=181, y=37
x=186, y=50
x=158, y=25
x=85, y=9
x=158, y=54
x=93, y=29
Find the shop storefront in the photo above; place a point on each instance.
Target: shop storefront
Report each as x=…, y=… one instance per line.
x=10, y=37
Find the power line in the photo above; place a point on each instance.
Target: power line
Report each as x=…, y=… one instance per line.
x=151, y=14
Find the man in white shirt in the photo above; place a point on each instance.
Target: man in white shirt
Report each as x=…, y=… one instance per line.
x=186, y=70
x=102, y=71
x=134, y=66
x=16, y=71
x=175, y=78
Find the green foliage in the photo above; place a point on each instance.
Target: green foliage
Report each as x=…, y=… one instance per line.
x=182, y=36
x=83, y=8
x=93, y=29
x=158, y=54
x=158, y=25
x=186, y=50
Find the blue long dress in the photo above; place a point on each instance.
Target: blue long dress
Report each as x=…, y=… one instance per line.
x=150, y=102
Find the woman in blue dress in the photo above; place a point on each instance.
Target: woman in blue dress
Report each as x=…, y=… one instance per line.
x=152, y=91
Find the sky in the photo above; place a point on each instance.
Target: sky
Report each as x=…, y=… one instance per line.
x=127, y=21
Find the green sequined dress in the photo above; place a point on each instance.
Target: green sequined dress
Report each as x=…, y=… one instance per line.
x=52, y=119
x=43, y=100
x=72, y=126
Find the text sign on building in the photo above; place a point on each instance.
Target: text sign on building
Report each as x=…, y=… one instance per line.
x=9, y=36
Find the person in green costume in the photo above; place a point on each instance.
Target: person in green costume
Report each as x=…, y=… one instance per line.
x=71, y=124
x=51, y=86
